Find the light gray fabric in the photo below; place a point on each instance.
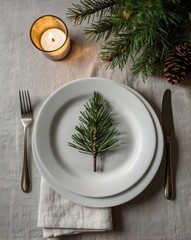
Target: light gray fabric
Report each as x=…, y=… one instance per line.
x=147, y=217
x=58, y=216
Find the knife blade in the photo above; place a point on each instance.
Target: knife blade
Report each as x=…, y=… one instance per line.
x=167, y=120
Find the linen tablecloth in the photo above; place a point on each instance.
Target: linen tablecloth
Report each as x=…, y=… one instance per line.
x=147, y=217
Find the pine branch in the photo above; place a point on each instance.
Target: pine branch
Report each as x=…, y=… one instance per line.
x=148, y=64
x=115, y=53
x=95, y=133
x=88, y=9
x=135, y=27
x=135, y=37
x=108, y=26
x=102, y=29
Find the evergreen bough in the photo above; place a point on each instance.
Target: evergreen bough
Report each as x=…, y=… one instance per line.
x=143, y=30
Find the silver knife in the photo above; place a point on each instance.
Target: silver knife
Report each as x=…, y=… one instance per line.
x=167, y=119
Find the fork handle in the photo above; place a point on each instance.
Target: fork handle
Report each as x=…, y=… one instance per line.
x=25, y=180
x=169, y=186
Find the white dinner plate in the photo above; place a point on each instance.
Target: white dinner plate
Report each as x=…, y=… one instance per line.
x=123, y=196
x=121, y=168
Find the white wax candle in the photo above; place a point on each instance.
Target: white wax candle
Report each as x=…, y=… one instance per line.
x=52, y=39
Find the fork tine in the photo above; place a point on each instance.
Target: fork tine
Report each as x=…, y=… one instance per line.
x=21, y=102
x=24, y=102
x=29, y=102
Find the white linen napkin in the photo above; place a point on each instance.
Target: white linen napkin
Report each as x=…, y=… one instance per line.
x=59, y=216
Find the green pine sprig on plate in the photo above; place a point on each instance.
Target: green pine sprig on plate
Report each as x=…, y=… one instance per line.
x=96, y=133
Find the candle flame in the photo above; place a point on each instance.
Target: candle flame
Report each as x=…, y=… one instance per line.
x=51, y=36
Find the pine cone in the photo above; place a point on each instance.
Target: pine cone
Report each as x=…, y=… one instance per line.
x=178, y=63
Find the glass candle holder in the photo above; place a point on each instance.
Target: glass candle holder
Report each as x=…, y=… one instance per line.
x=49, y=34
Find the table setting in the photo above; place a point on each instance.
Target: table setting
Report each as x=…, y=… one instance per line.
x=95, y=133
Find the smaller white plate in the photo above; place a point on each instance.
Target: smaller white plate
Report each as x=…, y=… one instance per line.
x=120, y=169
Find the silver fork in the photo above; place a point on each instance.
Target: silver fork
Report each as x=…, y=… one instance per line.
x=26, y=119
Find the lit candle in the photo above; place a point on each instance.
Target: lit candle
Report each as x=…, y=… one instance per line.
x=50, y=35
x=52, y=39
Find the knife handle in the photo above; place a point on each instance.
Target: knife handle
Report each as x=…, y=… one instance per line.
x=168, y=188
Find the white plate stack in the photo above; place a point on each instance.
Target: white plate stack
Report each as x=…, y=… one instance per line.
x=122, y=173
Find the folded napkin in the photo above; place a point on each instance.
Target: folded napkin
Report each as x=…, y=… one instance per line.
x=58, y=216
